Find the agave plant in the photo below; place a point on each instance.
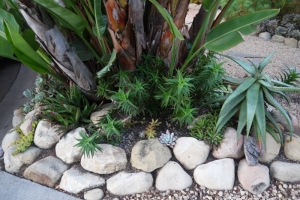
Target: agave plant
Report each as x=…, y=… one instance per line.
x=250, y=100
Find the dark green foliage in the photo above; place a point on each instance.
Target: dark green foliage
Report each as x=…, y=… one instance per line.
x=69, y=108
x=88, y=143
x=204, y=129
x=289, y=76
x=112, y=128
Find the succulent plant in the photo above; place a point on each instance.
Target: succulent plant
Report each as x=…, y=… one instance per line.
x=168, y=139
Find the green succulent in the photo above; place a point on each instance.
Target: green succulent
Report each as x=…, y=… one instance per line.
x=250, y=100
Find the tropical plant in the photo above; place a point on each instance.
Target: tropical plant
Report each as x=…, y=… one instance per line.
x=90, y=42
x=289, y=76
x=204, y=129
x=250, y=100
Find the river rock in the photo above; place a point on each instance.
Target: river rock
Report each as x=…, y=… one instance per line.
x=104, y=110
x=190, y=152
x=46, y=171
x=172, y=177
x=26, y=126
x=75, y=180
x=125, y=183
x=13, y=163
x=278, y=38
x=231, y=146
x=272, y=149
x=286, y=172
x=216, y=175
x=292, y=148
x=251, y=150
x=265, y=35
x=291, y=42
x=46, y=134
x=18, y=117
x=9, y=139
x=111, y=159
x=149, y=155
x=94, y=194
x=254, y=179
x=66, y=149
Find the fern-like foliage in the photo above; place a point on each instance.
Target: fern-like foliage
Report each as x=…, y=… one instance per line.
x=111, y=127
x=25, y=141
x=88, y=143
x=150, y=131
x=289, y=76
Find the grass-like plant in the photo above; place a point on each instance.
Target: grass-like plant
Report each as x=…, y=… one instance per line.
x=249, y=100
x=204, y=129
x=289, y=76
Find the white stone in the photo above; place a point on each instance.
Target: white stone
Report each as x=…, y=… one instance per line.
x=216, y=175
x=13, y=163
x=98, y=115
x=9, y=139
x=299, y=44
x=75, y=180
x=292, y=148
x=46, y=171
x=172, y=177
x=292, y=42
x=272, y=149
x=149, y=155
x=265, y=35
x=254, y=179
x=95, y=194
x=231, y=146
x=285, y=172
x=278, y=38
x=190, y=152
x=111, y=159
x=46, y=134
x=18, y=117
x=26, y=126
x=280, y=119
x=295, y=121
x=125, y=183
x=66, y=149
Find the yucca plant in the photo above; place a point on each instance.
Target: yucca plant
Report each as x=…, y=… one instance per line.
x=250, y=100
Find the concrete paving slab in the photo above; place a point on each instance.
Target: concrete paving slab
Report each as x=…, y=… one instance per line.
x=14, y=188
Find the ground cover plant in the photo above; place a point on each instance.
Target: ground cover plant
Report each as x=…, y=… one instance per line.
x=145, y=62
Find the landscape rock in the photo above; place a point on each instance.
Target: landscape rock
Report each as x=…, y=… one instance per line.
x=190, y=152
x=280, y=119
x=46, y=134
x=286, y=172
x=172, y=177
x=9, y=139
x=254, y=179
x=125, y=183
x=96, y=116
x=292, y=148
x=111, y=159
x=18, y=117
x=231, y=146
x=46, y=171
x=299, y=44
x=26, y=126
x=265, y=35
x=216, y=175
x=295, y=121
x=292, y=42
x=95, y=194
x=251, y=150
x=75, y=180
x=278, y=38
x=13, y=163
x=66, y=149
x=1, y=153
x=149, y=155
x=272, y=149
